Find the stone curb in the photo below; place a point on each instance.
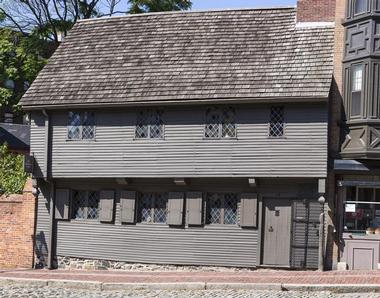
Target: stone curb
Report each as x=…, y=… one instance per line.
x=243, y=286
x=335, y=288
x=23, y=281
x=100, y=286
x=154, y=286
x=75, y=284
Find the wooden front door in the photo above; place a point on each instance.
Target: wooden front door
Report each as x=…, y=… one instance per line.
x=277, y=232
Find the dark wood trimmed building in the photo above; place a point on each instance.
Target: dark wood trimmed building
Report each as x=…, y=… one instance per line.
x=184, y=138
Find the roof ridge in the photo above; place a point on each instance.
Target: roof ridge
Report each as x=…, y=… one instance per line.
x=106, y=18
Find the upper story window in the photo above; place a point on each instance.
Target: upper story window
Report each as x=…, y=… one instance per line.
x=222, y=208
x=356, y=89
x=276, y=123
x=153, y=207
x=149, y=125
x=220, y=123
x=81, y=126
x=360, y=6
x=85, y=205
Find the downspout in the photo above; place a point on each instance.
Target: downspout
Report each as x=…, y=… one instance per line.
x=47, y=179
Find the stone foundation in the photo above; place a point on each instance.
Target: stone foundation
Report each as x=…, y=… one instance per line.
x=69, y=263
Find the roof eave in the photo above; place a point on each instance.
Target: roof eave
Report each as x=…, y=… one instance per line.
x=277, y=100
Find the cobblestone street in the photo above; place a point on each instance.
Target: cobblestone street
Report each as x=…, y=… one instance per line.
x=50, y=292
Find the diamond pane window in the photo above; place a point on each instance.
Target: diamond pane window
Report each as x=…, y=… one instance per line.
x=220, y=123
x=73, y=128
x=215, y=208
x=276, y=124
x=153, y=207
x=149, y=125
x=81, y=126
x=93, y=205
x=146, y=207
x=230, y=209
x=79, y=205
x=160, y=208
x=88, y=126
x=222, y=208
x=85, y=205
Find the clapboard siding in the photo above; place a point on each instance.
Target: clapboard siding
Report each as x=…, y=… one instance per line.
x=158, y=244
x=185, y=152
x=155, y=243
x=42, y=222
x=37, y=142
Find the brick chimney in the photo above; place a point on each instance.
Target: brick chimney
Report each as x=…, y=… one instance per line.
x=316, y=10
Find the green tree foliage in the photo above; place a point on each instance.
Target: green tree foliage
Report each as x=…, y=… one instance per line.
x=21, y=58
x=12, y=175
x=143, y=6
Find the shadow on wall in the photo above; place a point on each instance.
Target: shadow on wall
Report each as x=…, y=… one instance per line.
x=41, y=250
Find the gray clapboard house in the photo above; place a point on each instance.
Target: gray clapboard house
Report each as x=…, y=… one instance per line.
x=195, y=138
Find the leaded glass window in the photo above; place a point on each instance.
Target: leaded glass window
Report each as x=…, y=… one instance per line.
x=153, y=207
x=149, y=125
x=85, y=205
x=222, y=208
x=81, y=126
x=276, y=123
x=220, y=123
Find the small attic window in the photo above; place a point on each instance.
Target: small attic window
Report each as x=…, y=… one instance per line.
x=360, y=6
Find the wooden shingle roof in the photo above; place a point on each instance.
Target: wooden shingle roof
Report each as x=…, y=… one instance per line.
x=187, y=56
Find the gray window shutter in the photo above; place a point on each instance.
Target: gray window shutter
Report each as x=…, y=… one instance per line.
x=127, y=206
x=194, y=208
x=62, y=203
x=175, y=208
x=248, y=210
x=106, y=205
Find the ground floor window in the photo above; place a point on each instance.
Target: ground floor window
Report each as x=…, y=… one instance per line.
x=362, y=210
x=153, y=207
x=85, y=205
x=222, y=208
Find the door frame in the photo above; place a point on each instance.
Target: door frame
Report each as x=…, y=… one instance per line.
x=262, y=231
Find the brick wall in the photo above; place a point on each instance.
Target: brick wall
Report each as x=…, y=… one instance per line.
x=17, y=216
x=316, y=10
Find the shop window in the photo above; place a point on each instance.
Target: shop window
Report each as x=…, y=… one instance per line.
x=362, y=210
x=356, y=90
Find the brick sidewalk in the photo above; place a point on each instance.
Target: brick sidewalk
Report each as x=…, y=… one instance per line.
x=254, y=277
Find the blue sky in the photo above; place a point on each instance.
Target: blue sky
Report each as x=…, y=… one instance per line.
x=216, y=4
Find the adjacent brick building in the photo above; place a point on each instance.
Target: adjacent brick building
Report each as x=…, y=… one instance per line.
x=17, y=216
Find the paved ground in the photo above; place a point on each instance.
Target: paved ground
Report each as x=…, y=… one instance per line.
x=47, y=292
x=70, y=284
x=257, y=277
